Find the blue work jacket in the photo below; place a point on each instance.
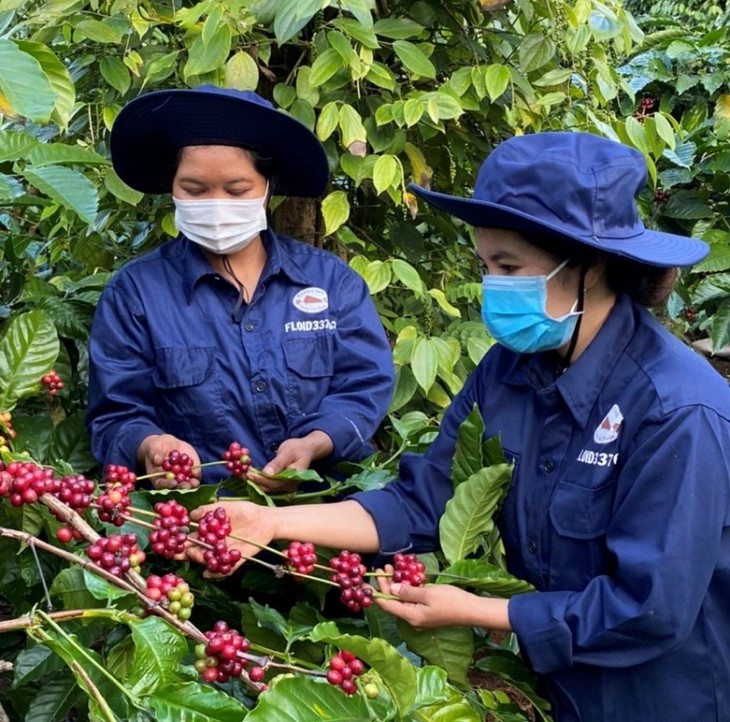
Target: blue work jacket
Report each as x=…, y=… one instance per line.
x=618, y=513
x=168, y=354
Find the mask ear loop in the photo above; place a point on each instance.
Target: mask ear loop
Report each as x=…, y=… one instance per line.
x=242, y=292
x=579, y=310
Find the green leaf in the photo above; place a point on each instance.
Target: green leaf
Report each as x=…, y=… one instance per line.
x=536, y=50
x=414, y=59
x=327, y=121
x=683, y=154
x=665, y=130
x=483, y=576
x=33, y=664
x=469, y=512
x=204, y=57
x=10, y=188
x=53, y=700
x=27, y=352
x=194, y=702
x=52, y=153
x=24, y=84
x=68, y=187
x=159, y=648
x=71, y=443
x=351, y=126
x=440, y=297
x=15, y=145
x=59, y=78
x=96, y=30
x=721, y=325
x=114, y=184
x=324, y=67
x=70, y=586
x=432, y=687
x=468, y=458
x=424, y=362
x=558, y=76
x=377, y=275
x=335, y=211
x=397, y=673
x=385, y=173
x=450, y=648
x=397, y=28
x=363, y=34
x=293, y=16
x=101, y=589
x=687, y=205
x=115, y=72
x=242, y=72
x=407, y=275
x=378, y=74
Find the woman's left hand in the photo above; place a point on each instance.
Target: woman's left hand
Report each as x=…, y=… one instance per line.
x=440, y=605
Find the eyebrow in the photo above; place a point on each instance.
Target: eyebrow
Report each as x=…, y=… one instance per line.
x=497, y=256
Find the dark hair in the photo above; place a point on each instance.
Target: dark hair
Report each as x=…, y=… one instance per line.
x=647, y=285
x=263, y=164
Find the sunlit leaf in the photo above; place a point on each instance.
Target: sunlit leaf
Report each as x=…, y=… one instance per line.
x=67, y=187
x=24, y=83
x=414, y=59
x=335, y=211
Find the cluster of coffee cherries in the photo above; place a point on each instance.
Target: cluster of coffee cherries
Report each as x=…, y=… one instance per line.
x=238, y=460
x=179, y=468
x=222, y=656
x=647, y=106
x=349, y=571
x=213, y=529
x=173, y=593
x=117, y=553
x=114, y=501
x=301, y=556
x=172, y=526
x=661, y=196
x=53, y=382
x=344, y=668
x=408, y=570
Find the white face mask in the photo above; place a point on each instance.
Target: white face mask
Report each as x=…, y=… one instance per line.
x=221, y=226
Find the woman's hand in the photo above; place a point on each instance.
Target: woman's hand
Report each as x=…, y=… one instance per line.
x=441, y=605
x=249, y=521
x=152, y=452
x=292, y=454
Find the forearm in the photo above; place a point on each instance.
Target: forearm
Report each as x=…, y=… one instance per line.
x=342, y=525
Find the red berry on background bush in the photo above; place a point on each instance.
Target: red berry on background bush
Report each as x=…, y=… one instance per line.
x=344, y=667
x=408, y=570
x=53, y=383
x=238, y=460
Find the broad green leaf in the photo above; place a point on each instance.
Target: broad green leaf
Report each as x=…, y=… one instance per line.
x=120, y=658
x=53, y=700
x=405, y=388
x=665, y=130
x=70, y=586
x=15, y=145
x=440, y=297
x=204, y=57
x=637, y=134
x=535, y=51
x=118, y=188
x=24, y=84
x=468, y=457
x=683, y=154
x=27, y=352
x=71, y=443
x=284, y=95
x=407, y=275
x=342, y=46
x=115, y=72
x=305, y=90
x=59, y=78
x=721, y=326
x=53, y=153
x=378, y=74
x=687, y=205
x=363, y=34
x=377, y=275
x=712, y=287
x=66, y=186
x=194, y=702
x=360, y=9
x=386, y=172
x=335, y=211
x=242, y=72
x=351, y=126
x=414, y=59
x=324, y=67
x=291, y=17
x=469, y=512
x=270, y=618
x=10, y=188
x=485, y=577
x=159, y=649
x=33, y=664
x=303, y=111
x=558, y=76
x=397, y=28
x=442, y=106
x=424, y=362
x=96, y=30
x=327, y=121
x=432, y=686
x=160, y=67
x=397, y=673
x=101, y=589
x=412, y=111
x=450, y=648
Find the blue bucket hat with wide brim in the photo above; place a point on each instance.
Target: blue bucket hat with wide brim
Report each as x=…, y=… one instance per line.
x=149, y=132
x=573, y=185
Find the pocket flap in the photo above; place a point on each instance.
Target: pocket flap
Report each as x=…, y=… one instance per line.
x=178, y=367
x=581, y=512
x=309, y=358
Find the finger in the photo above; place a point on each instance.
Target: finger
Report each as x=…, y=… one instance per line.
x=201, y=511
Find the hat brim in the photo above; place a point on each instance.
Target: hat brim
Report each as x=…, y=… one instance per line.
x=655, y=248
x=149, y=132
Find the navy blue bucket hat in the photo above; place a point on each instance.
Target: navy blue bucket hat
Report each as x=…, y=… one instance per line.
x=573, y=185
x=149, y=132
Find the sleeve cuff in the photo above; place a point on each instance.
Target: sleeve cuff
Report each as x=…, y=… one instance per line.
x=538, y=620
x=346, y=437
x=390, y=519
x=124, y=446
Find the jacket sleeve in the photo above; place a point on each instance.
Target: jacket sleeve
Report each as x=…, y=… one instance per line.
x=121, y=390
x=670, y=520
x=363, y=375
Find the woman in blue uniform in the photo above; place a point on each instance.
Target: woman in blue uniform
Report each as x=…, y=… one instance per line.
x=231, y=332
x=619, y=509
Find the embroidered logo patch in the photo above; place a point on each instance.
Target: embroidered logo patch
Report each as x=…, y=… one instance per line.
x=608, y=429
x=311, y=300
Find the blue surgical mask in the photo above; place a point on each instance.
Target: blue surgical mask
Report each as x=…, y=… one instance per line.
x=514, y=312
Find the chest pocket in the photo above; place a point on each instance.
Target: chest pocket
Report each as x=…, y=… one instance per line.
x=580, y=517
x=310, y=366
x=189, y=398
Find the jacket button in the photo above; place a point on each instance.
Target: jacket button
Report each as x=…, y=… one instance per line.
x=248, y=326
x=532, y=547
x=548, y=465
x=260, y=386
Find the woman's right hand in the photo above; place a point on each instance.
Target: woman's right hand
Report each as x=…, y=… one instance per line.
x=152, y=452
x=252, y=524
